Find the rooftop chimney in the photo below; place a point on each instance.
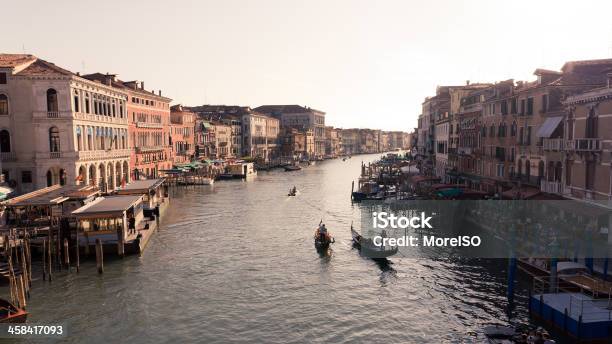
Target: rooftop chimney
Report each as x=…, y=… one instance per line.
x=142, y=85
x=467, y=82
x=159, y=93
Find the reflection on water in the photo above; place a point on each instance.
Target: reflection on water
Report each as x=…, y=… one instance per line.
x=235, y=262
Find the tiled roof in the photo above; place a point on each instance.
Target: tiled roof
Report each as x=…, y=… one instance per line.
x=114, y=82
x=12, y=60
x=222, y=110
x=42, y=67
x=278, y=109
x=587, y=72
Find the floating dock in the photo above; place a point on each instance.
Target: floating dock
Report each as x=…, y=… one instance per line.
x=580, y=316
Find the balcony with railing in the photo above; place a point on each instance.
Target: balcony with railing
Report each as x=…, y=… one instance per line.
x=146, y=149
x=551, y=187
x=554, y=145
x=100, y=118
x=103, y=154
x=148, y=125
x=55, y=155
x=51, y=114
x=8, y=156
x=584, y=145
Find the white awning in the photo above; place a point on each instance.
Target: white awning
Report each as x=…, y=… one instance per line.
x=549, y=126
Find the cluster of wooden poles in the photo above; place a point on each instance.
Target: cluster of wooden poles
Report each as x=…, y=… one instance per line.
x=19, y=258
x=55, y=255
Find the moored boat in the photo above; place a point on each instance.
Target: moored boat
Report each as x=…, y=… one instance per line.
x=225, y=176
x=368, y=190
x=10, y=313
x=574, y=276
x=207, y=181
x=368, y=249
x=290, y=168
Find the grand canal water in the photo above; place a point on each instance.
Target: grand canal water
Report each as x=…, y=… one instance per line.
x=235, y=263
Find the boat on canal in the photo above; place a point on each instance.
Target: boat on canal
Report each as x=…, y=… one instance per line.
x=290, y=168
x=292, y=191
x=574, y=276
x=9, y=313
x=322, y=238
x=368, y=190
x=368, y=249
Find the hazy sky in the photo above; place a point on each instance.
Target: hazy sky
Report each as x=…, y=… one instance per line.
x=366, y=63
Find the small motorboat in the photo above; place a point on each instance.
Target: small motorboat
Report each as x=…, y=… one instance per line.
x=292, y=192
x=343, y=159
x=10, y=313
x=290, y=168
x=225, y=176
x=368, y=249
x=322, y=238
x=207, y=181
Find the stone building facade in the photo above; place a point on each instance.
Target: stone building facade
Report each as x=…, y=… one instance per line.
x=57, y=127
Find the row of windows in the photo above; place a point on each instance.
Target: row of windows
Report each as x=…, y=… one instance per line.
x=149, y=139
x=523, y=107
x=146, y=118
x=97, y=104
x=100, y=138
x=148, y=102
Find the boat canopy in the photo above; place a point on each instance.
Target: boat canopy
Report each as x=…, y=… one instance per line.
x=106, y=207
x=449, y=192
x=567, y=266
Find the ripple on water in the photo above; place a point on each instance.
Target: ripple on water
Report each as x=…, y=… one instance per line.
x=235, y=263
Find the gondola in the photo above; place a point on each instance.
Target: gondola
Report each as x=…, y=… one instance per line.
x=290, y=168
x=10, y=313
x=322, y=240
x=368, y=249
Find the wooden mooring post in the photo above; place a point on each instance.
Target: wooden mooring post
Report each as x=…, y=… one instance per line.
x=99, y=256
x=44, y=259
x=29, y=259
x=66, y=254
x=77, y=253
x=49, y=262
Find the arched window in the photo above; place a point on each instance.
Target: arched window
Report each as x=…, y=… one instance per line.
x=77, y=103
x=52, y=105
x=558, y=171
x=54, y=139
x=5, y=141
x=89, y=138
x=591, y=125
x=87, y=103
x=62, y=175
x=95, y=104
x=527, y=170
x=4, y=110
x=79, y=138
x=541, y=170
x=49, y=178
